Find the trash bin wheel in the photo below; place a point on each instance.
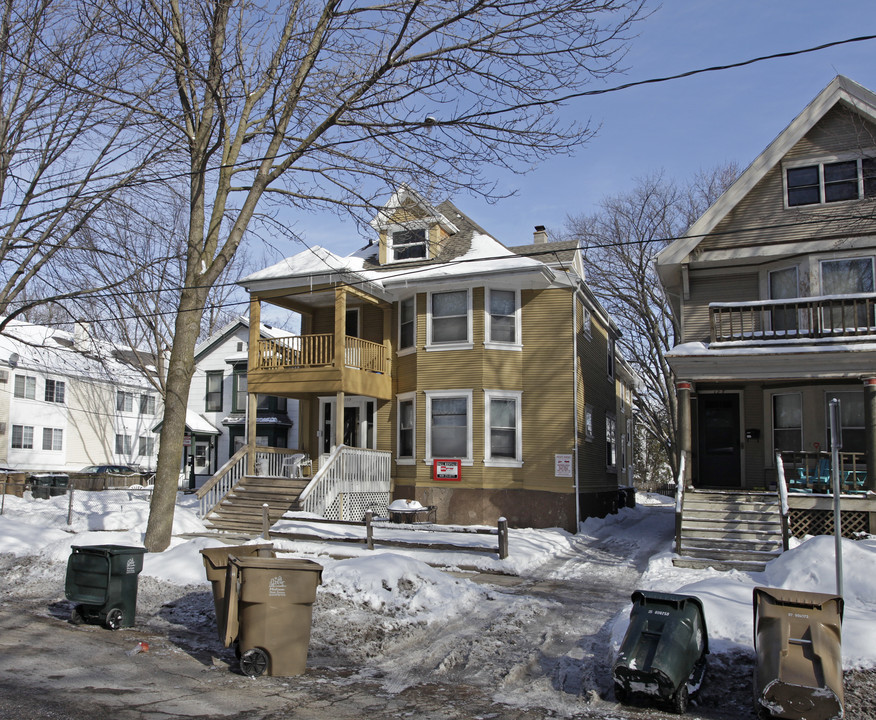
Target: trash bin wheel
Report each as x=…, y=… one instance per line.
x=679, y=700
x=254, y=662
x=77, y=617
x=620, y=694
x=114, y=619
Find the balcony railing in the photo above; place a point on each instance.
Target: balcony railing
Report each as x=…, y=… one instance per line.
x=312, y=351
x=794, y=318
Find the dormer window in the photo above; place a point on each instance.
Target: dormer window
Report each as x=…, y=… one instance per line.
x=408, y=244
x=828, y=182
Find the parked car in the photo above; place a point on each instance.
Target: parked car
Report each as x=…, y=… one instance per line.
x=114, y=469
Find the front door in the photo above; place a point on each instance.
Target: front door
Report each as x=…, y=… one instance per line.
x=719, y=448
x=358, y=423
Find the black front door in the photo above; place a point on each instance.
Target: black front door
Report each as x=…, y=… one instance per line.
x=719, y=450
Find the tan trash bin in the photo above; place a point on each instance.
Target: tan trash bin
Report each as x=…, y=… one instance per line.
x=216, y=565
x=798, y=643
x=269, y=605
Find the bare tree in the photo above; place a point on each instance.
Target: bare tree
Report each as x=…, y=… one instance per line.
x=620, y=244
x=64, y=152
x=325, y=104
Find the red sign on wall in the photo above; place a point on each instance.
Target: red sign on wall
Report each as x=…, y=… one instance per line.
x=446, y=470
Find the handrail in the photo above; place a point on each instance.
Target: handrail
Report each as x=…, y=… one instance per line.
x=210, y=494
x=679, y=503
x=784, y=509
x=347, y=470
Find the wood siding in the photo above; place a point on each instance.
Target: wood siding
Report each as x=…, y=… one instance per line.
x=730, y=285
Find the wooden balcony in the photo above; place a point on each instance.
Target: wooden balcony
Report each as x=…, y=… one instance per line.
x=304, y=364
x=812, y=318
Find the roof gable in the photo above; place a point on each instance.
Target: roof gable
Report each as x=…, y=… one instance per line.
x=841, y=90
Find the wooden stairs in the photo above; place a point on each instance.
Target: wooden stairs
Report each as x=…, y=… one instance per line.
x=240, y=511
x=729, y=530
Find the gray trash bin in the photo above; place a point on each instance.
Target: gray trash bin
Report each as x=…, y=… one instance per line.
x=798, y=643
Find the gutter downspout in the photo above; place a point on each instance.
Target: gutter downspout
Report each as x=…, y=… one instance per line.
x=575, y=406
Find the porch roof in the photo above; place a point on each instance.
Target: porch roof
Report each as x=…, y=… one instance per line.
x=802, y=360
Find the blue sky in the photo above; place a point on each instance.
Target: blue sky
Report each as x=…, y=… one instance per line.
x=680, y=126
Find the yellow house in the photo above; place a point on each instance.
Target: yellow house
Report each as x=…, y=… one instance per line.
x=485, y=375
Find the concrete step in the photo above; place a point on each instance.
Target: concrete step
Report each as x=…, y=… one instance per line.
x=726, y=544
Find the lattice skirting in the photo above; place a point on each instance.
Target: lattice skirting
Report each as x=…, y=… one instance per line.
x=820, y=522
x=352, y=506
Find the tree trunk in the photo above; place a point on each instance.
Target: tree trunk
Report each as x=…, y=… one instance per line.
x=181, y=368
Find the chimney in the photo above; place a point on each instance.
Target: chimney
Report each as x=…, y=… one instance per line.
x=82, y=340
x=540, y=235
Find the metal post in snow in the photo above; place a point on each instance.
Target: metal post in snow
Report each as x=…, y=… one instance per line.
x=836, y=443
x=3, y=498
x=369, y=529
x=70, y=505
x=266, y=523
x=503, y=538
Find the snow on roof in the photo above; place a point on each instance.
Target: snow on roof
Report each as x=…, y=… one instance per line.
x=38, y=348
x=791, y=347
x=313, y=261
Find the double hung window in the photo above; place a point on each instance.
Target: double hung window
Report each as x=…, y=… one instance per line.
x=851, y=419
x=408, y=244
x=784, y=285
x=25, y=387
x=610, y=441
x=788, y=421
x=147, y=404
x=449, y=435
x=849, y=276
x=406, y=427
x=54, y=391
x=239, y=394
x=503, y=319
x=502, y=436
x=214, y=391
x=123, y=444
x=124, y=401
x=22, y=437
x=407, y=327
x=53, y=439
x=450, y=320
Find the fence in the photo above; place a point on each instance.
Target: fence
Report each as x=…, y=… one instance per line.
x=73, y=508
x=370, y=525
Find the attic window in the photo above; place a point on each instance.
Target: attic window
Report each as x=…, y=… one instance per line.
x=819, y=183
x=409, y=244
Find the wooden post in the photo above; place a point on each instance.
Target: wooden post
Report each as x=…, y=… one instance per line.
x=266, y=522
x=70, y=504
x=255, y=324
x=683, y=392
x=369, y=530
x=503, y=538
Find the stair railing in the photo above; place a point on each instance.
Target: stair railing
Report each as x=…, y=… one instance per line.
x=784, y=509
x=679, y=503
x=348, y=470
x=210, y=494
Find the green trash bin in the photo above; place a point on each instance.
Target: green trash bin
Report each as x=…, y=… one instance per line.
x=102, y=579
x=269, y=606
x=40, y=486
x=60, y=483
x=662, y=658
x=216, y=566
x=798, y=644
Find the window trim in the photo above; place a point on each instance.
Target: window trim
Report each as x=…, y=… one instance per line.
x=773, y=427
x=124, y=401
x=126, y=444
x=25, y=387
x=827, y=397
x=432, y=394
x=400, y=459
x=150, y=442
x=819, y=163
x=517, y=396
x=52, y=434
x=586, y=321
x=823, y=261
x=412, y=348
x=491, y=344
x=466, y=344
x=235, y=388
x=147, y=399
x=611, y=421
x=390, y=230
x=58, y=392
x=23, y=432
x=207, y=392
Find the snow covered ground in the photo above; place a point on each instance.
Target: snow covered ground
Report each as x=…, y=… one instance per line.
x=393, y=614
